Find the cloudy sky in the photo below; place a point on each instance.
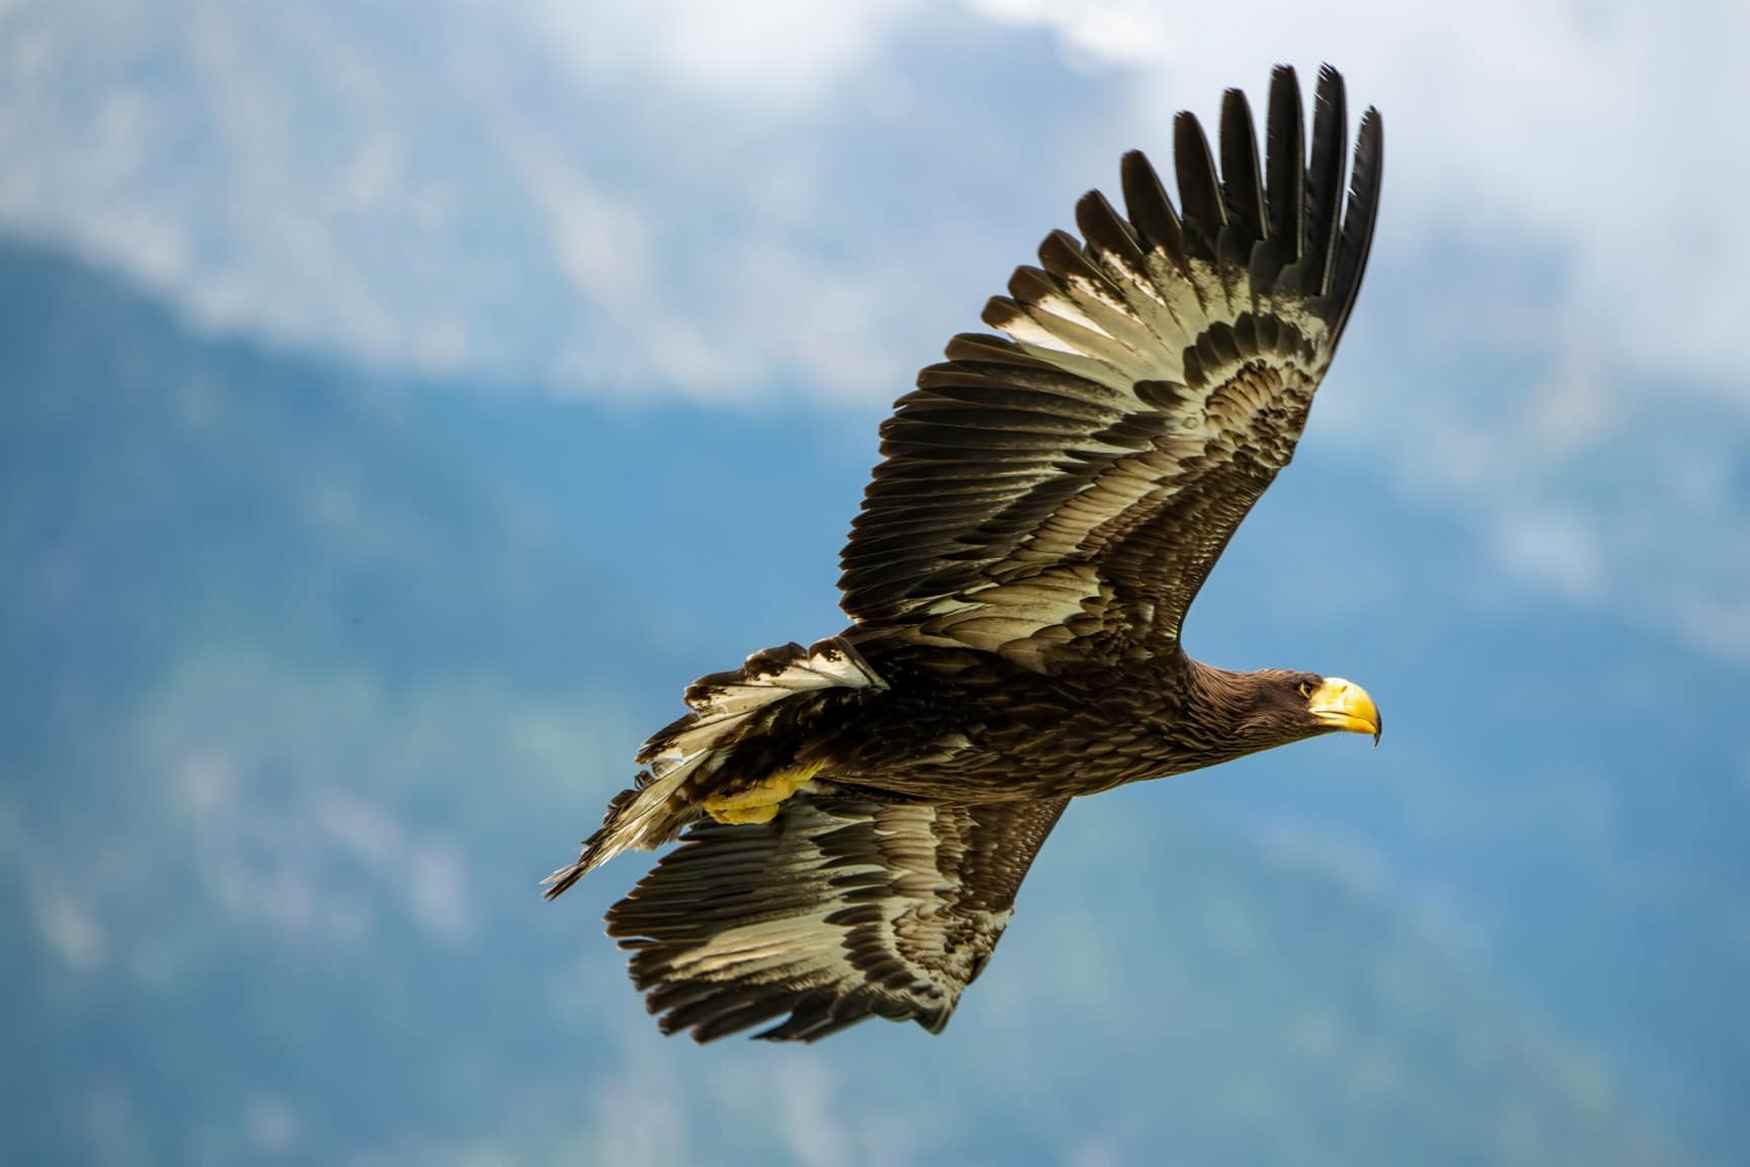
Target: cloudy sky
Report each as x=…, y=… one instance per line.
x=745, y=203
x=681, y=219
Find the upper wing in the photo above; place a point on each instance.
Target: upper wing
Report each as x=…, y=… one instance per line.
x=837, y=910
x=1071, y=488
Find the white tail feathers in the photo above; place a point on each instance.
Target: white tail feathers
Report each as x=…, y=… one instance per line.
x=723, y=703
x=726, y=709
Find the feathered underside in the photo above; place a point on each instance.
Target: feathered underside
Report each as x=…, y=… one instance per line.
x=837, y=910
x=1060, y=496
x=1055, y=497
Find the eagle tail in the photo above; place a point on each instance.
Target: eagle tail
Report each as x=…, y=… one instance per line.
x=685, y=758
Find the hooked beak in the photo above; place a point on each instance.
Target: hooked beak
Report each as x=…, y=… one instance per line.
x=1344, y=705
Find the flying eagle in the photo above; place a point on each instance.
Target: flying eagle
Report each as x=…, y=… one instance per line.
x=859, y=814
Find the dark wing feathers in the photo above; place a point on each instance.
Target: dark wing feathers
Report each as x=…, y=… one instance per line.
x=1155, y=377
x=1358, y=220
x=1324, y=181
x=1200, y=193
x=1243, y=185
x=1157, y=225
x=837, y=910
x=1286, y=162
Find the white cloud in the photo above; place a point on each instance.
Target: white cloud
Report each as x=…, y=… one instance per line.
x=1556, y=550
x=430, y=875
x=1592, y=128
x=603, y=243
x=272, y=1124
x=768, y=310
x=810, y=1119
x=1125, y=32
x=1717, y=625
x=1583, y=128
x=1560, y=239
x=113, y=1127
x=780, y=51
x=637, y=1116
x=69, y=928
x=731, y=202
x=536, y=205
x=1095, y=1151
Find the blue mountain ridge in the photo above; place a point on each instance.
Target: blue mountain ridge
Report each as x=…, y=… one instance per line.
x=291, y=644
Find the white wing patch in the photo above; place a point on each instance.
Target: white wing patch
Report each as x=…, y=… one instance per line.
x=1020, y=620
x=722, y=702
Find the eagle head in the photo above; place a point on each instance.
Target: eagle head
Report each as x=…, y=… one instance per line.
x=1288, y=706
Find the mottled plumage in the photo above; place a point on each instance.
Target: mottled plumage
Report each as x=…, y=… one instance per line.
x=859, y=814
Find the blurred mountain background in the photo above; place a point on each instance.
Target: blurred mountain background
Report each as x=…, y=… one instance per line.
x=401, y=405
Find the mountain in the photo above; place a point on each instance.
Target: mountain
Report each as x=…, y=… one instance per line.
x=314, y=671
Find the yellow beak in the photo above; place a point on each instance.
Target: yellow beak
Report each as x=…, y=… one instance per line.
x=1346, y=706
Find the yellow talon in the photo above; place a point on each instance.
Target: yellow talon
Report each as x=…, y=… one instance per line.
x=759, y=802
x=744, y=814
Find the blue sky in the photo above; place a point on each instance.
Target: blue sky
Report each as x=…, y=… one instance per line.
x=468, y=303
x=781, y=203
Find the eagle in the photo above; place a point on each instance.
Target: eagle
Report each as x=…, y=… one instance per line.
x=856, y=816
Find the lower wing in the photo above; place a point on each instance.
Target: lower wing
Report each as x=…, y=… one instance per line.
x=837, y=910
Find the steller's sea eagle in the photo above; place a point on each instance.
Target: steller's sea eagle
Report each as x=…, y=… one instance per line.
x=859, y=814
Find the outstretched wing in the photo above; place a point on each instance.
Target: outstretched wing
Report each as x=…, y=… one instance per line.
x=1069, y=489
x=837, y=910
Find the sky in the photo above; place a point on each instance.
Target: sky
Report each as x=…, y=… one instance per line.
x=750, y=204
x=552, y=270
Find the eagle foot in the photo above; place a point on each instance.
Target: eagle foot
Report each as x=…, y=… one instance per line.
x=759, y=803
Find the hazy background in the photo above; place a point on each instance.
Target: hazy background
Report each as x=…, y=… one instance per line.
x=402, y=401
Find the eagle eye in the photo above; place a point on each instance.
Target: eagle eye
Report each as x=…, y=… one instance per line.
x=1306, y=688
